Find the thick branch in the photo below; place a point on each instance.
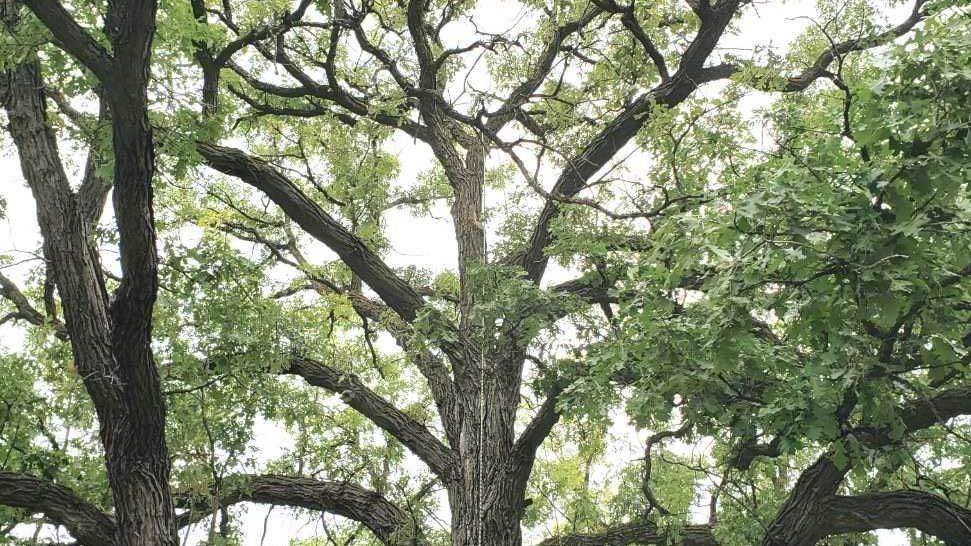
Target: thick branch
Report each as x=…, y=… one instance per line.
x=71, y=37
x=431, y=366
x=630, y=22
x=397, y=293
x=389, y=523
x=382, y=413
x=26, y=311
x=621, y=130
x=635, y=533
x=799, y=517
x=86, y=523
x=921, y=414
x=919, y=510
x=74, y=265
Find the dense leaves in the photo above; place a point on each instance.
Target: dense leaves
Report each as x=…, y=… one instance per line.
x=745, y=300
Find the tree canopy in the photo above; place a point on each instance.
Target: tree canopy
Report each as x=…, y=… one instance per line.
x=751, y=264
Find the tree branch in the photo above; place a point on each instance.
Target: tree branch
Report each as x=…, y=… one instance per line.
x=538, y=429
x=635, y=533
x=71, y=37
x=915, y=415
x=621, y=130
x=919, y=510
x=25, y=310
x=398, y=294
x=820, y=68
x=629, y=20
x=86, y=523
x=389, y=523
x=382, y=413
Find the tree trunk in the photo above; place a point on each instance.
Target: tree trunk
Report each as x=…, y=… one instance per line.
x=487, y=496
x=111, y=343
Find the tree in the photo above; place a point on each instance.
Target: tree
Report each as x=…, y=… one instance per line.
x=800, y=305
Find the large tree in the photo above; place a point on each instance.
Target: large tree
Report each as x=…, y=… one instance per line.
x=793, y=302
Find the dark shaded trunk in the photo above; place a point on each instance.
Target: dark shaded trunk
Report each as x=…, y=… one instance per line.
x=487, y=496
x=800, y=522
x=111, y=343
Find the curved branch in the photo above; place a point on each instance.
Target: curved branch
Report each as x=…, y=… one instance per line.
x=71, y=37
x=820, y=68
x=26, y=311
x=382, y=413
x=921, y=414
x=599, y=151
x=803, y=514
x=635, y=533
x=85, y=522
x=398, y=294
x=919, y=510
x=390, y=524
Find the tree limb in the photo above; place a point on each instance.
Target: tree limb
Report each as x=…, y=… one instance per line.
x=382, y=413
x=389, y=523
x=71, y=37
x=398, y=294
x=621, y=130
x=635, y=533
x=926, y=512
x=820, y=68
x=86, y=523
x=25, y=310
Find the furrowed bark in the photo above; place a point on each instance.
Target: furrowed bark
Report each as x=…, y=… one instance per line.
x=635, y=533
x=389, y=523
x=135, y=438
x=798, y=521
x=86, y=523
x=111, y=343
x=382, y=413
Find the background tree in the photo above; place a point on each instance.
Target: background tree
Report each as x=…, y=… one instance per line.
x=797, y=304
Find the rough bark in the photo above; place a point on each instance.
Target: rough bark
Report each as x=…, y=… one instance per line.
x=389, y=523
x=111, y=342
x=86, y=523
x=636, y=533
x=919, y=510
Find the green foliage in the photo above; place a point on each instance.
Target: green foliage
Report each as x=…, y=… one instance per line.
x=770, y=280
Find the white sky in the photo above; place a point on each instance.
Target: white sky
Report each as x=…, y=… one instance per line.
x=426, y=243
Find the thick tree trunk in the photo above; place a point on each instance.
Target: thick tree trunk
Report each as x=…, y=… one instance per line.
x=135, y=448
x=487, y=496
x=800, y=521
x=111, y=343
